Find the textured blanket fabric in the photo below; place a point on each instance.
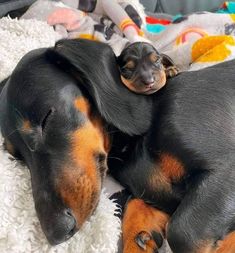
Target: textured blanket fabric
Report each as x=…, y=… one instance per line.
x=198, y=40
x=20, y=230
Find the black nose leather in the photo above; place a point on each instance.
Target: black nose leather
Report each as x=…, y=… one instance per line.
x=148, y=81
x=62, y=228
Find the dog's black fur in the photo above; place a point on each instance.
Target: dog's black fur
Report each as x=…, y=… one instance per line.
x=191, y=119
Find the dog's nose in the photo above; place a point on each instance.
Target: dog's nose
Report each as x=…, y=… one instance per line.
x=149, y=83
x=64, y=227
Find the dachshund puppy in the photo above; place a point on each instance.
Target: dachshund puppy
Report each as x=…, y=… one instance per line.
x=143, y=69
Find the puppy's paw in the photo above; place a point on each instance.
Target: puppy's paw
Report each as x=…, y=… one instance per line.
x=171, y=71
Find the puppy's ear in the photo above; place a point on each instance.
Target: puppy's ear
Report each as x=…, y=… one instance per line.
x=94, y=66
x=167, y=61
x=171, y=69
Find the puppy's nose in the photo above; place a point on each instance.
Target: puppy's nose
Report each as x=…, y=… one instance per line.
x=64, y=227
x=149, y=83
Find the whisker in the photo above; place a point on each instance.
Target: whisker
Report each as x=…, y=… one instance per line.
x=117, y=158
x=17, y=129
x=113, y=131
x=142, y=194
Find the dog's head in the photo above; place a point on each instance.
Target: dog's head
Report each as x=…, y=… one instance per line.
x=51, y=124
x=142, y=68
x=53, y=111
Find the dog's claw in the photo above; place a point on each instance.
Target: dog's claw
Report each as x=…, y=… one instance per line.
x=142, y=238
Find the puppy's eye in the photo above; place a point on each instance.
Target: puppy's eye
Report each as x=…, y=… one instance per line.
x=154, y=57
x=130, y=65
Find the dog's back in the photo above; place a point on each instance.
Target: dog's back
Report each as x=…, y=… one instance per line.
x=197, y=125
x=200, y=106
x=185, y=165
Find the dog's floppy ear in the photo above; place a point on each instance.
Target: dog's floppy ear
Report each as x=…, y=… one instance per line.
x=94, y=66
x=167, y=61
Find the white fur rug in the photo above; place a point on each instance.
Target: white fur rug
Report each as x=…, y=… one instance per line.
x=20, y=231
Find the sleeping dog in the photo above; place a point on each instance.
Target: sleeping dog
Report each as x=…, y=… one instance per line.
x=65, y=112
x=143, y=69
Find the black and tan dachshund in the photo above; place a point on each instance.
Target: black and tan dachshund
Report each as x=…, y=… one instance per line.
x=65, y=111
x=143, y=69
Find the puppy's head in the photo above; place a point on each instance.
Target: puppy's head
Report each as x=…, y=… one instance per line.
x=141, y=68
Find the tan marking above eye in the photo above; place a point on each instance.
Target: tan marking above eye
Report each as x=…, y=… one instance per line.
x=26, y=126
x=153, y=57
x=130, y=65
x=82, y=105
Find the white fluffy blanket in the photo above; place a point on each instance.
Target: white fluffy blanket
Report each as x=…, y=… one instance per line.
x=20, y=231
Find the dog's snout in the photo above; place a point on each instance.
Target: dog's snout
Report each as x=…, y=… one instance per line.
x=63, y=227
x=68, y=212
x=148, y=78
x=149, y=85
x=69, y=220
x=149, y=82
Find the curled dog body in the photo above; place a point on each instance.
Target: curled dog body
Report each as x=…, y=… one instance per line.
x=175, y=149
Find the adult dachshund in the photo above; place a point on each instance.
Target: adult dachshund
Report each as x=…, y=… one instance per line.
x=64, y=111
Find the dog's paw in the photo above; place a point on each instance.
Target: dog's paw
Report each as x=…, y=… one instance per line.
x=172, y=71
x=144, y=241
x=152, y=241
x=143, y=228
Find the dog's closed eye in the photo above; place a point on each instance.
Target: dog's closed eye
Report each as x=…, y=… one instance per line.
x=130, y=65
x=46, y=119
x=154, y=58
